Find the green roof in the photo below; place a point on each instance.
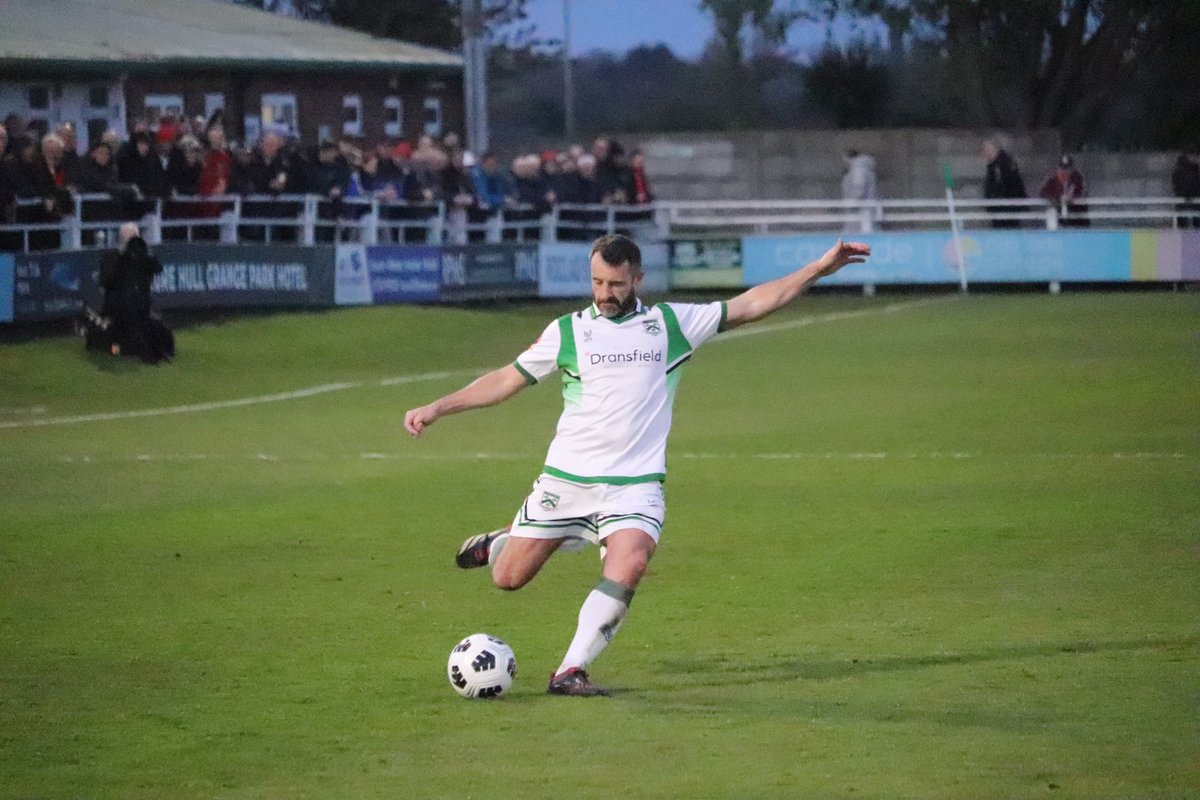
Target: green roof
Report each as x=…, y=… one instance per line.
x=133, y=34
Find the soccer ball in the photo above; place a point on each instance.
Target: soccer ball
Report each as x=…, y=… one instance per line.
x=481, y=666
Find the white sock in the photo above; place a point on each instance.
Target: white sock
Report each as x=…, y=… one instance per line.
x=599, y=618
x=495, y=547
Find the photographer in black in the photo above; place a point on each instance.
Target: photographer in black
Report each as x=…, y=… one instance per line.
x=125, y=325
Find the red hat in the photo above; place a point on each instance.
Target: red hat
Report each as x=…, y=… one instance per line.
x=166, y=133
x=549, y=155
x=402, y=149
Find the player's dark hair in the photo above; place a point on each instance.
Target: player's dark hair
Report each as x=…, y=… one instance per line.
x=618, y=250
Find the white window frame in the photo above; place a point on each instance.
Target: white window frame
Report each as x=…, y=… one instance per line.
x=433, y=127
x=270, y=103
x=212, y=102
x=163, y=104
x=353, y=102
x=393, y=129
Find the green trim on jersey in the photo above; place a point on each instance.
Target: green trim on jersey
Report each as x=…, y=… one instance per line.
x=610, y=480
x=724, y=315
x=572, y=390
x=677, y=344
x=617, y=591
x=568, y=362
x=602, y=521
x=525, y=522
x=637, y=312
x=529, y=379
x=568, y=359
x=673, y=382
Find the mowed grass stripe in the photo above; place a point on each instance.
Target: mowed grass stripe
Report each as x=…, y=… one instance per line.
x=193, y=408
x=401, y=380
x=315, y=457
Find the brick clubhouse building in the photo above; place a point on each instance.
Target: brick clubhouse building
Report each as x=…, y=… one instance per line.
x=109, y=63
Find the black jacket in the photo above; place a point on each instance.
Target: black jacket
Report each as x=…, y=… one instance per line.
x=126, y=276
x=260, y=172
x=1003, y=179
x=91, y=178
x=1185, y=180
x=183, y=177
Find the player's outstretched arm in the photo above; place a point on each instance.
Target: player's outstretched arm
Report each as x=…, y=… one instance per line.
x=487, y=390
x=756, y=303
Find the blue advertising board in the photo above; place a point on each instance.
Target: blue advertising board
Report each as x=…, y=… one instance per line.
x=404, y=274
x=6, y=287
x=656, y=268
x=563, y=269
x=54, y=285
x=385, y=274
x=489, y=272
x=989, y=256
x=243, y=276
x=351, y=280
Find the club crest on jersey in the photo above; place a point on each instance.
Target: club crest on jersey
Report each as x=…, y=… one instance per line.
x=549, y=501
x=651, y=327
x=587, y=334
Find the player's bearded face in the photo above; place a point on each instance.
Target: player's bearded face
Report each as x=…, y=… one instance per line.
x=614, y=288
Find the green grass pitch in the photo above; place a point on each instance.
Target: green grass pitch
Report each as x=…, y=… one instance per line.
x=945, y=549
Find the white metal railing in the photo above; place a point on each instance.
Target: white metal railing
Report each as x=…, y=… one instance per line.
x=1162, y=211
x=24, y=231
x=311, y=219
x=307, y=219
x=778, y=216
x=606, y=217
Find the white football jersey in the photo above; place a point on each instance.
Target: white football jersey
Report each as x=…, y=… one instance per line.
x=619, y=380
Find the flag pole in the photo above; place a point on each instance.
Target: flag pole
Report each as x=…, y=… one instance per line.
x=955, y=228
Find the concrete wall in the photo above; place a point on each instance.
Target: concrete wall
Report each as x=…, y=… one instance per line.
x=809, y=165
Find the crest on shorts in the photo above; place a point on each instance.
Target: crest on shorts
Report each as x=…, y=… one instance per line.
x=550, y=501
x=651, y=327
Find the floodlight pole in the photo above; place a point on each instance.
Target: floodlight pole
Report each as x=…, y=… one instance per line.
x=568, y=78
x=475, y=76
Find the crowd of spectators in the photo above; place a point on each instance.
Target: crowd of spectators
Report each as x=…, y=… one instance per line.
x=178, y=158
x=175, y=158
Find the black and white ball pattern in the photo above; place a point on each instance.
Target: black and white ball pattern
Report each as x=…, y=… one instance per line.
x=481, y=666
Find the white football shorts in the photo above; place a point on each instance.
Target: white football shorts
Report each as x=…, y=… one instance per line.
x=589, y=512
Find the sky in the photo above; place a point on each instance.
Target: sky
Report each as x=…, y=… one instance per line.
x=620, y=25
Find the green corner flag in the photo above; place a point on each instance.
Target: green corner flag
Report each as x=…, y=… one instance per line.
x=947, y=176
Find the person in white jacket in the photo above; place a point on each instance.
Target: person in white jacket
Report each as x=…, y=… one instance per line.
x=859, y=182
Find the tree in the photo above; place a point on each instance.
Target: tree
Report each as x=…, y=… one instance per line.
x=1167, y=89
x=850, y=83
x=730, y=17
x=739, y=85
x=647, y=89
x=1036, y=63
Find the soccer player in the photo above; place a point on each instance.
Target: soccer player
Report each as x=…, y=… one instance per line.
x=603, y=480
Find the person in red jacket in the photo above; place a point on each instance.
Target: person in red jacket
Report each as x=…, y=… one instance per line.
x=1064, y=188
x=641, y=187
x=214, y=175
x=218, y=164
